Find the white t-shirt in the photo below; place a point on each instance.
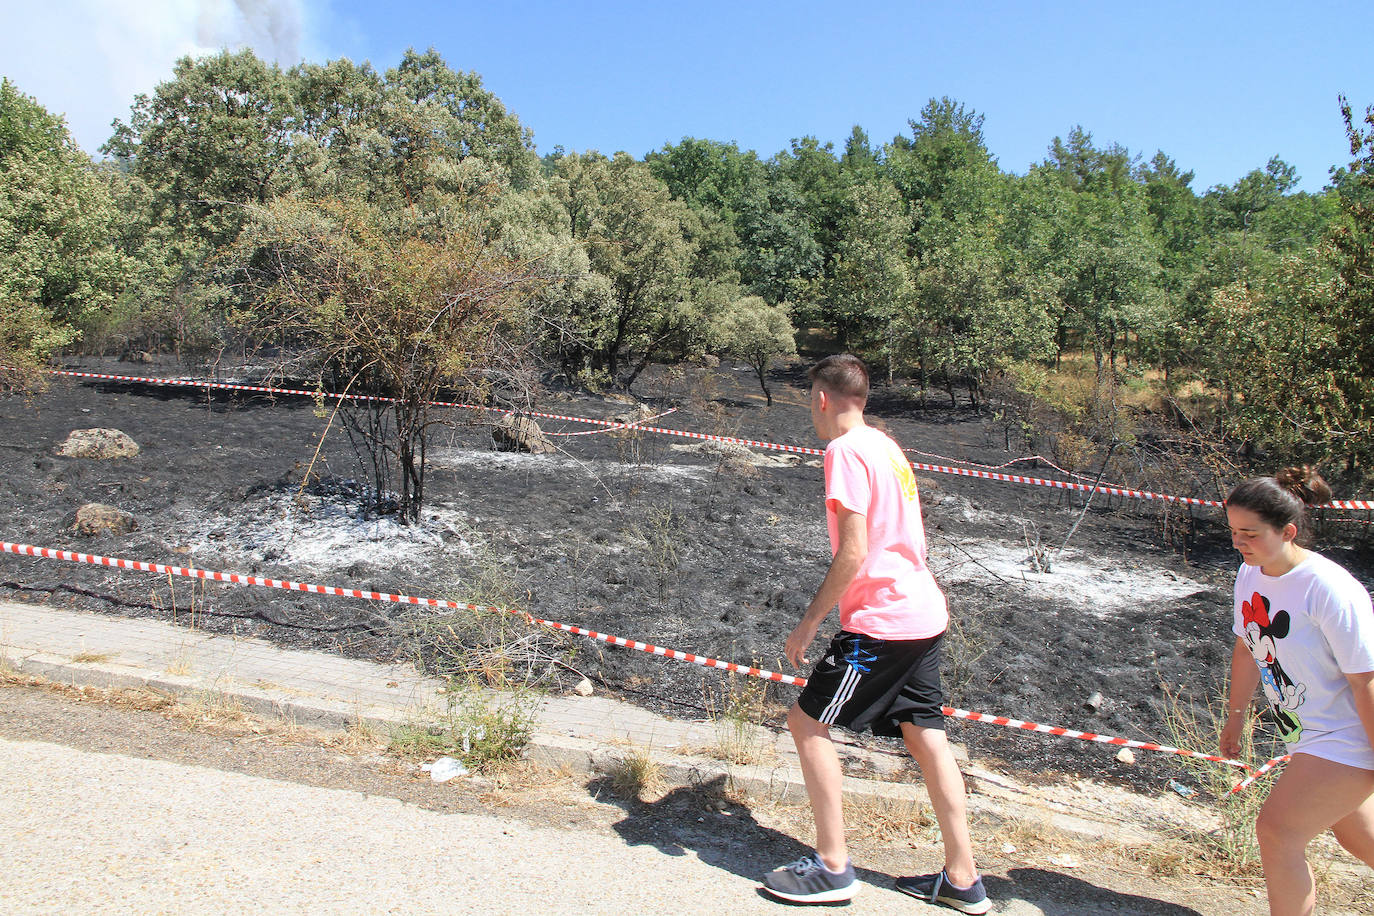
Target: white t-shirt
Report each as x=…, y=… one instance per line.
x=1307, y=629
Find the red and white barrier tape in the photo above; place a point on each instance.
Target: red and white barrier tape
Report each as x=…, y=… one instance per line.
x=1356, y=504
x=1269, y=765
x=705, y=661
x=243, y=579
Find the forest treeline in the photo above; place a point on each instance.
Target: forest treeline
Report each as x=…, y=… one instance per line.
x=398, y=231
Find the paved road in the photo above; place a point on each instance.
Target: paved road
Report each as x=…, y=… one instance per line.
x=102, y=833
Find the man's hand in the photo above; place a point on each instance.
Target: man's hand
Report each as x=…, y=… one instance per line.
x=849, y=557
x=798, y=642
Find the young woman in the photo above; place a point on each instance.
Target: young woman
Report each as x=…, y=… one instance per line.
x=1304, y=630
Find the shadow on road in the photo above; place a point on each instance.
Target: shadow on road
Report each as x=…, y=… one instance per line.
x=703, y=820
x=706, y=821
x=1055, y=892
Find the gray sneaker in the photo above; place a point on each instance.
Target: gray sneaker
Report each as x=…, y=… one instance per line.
x=938, y=889
x=809, y=881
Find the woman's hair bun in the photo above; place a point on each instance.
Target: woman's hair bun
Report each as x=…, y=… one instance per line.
x=1305, y=483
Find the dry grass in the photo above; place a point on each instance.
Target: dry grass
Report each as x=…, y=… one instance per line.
x=635, y=775
x=737, y=711
x=91, y=658
x=890, y=821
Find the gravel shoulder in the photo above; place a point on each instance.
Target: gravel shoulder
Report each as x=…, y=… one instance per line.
x=120, y=801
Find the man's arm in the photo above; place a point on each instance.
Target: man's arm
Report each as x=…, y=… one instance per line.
x=849, y=557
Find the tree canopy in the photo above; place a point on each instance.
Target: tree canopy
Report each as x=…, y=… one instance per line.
x=921, y=253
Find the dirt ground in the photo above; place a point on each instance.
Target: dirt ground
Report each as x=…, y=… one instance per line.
x=655, y=538
x=744, y=837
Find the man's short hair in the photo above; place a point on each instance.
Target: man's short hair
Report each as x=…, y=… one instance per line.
x=843, y=374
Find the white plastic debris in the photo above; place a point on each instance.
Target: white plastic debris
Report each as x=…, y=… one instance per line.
x=446, y=768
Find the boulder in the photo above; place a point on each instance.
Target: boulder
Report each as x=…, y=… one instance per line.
x=638, y=415
x=520, y=434
x=94, y=518
x=98, y=443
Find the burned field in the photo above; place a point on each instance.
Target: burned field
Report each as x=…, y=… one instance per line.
x=691, y=545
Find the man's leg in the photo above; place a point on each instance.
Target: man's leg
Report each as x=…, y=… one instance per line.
x=945, y=784
x=824, y=781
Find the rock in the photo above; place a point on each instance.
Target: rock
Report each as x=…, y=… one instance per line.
x=98, y=443
x=640, y=414
x=1125, y=756
x=1094, y=702
x=94, y=518
x=520, y=434
x=584, y=688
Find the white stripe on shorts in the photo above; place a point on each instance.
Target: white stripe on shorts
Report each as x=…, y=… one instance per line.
x=842, y=696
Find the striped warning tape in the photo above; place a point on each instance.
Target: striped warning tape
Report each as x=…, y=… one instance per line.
x=1269, y=765
x=703, y=660
x=1353, y=504
x=244, y=579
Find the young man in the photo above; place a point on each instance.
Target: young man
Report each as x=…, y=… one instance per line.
x=882, y=670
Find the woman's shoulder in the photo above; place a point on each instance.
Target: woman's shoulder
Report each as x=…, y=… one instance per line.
x=1326, y=576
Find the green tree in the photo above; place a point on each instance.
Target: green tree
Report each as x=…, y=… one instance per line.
x=58, y=265
x=1275, y=357
x=870, y=281
x=400, y=304
x=215, y=138
x=976, y=309
x=637, y=237
x=1353, y=313
x=435, y=117
x=808, y=177
x=946, y=146
x=756, y=332
x=1102, y=251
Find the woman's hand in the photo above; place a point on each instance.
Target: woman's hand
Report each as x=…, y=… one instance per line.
x=1233, y=732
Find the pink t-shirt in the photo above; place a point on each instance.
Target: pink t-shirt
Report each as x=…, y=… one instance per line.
x=893, y=596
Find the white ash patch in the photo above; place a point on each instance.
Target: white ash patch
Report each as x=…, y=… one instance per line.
x=324, y=536
x=953, y=504
x=553, y=465
x=734, y=451
x=1097, y=584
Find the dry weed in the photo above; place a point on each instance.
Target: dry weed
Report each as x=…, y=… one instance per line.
x=635, y=775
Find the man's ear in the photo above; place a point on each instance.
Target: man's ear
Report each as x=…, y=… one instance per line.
x=822, y=399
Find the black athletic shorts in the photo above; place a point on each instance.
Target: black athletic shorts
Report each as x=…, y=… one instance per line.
x=865, y=683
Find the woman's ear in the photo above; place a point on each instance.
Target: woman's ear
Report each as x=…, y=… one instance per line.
x=1290, y=532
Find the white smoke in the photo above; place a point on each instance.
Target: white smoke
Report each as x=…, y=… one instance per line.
x=272, y=28
x=87, y=59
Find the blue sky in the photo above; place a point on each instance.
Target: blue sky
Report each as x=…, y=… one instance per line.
x=1220, y=87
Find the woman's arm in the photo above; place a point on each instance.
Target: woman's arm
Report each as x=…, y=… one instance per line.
x=1245, y=678
x=1362, y=686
